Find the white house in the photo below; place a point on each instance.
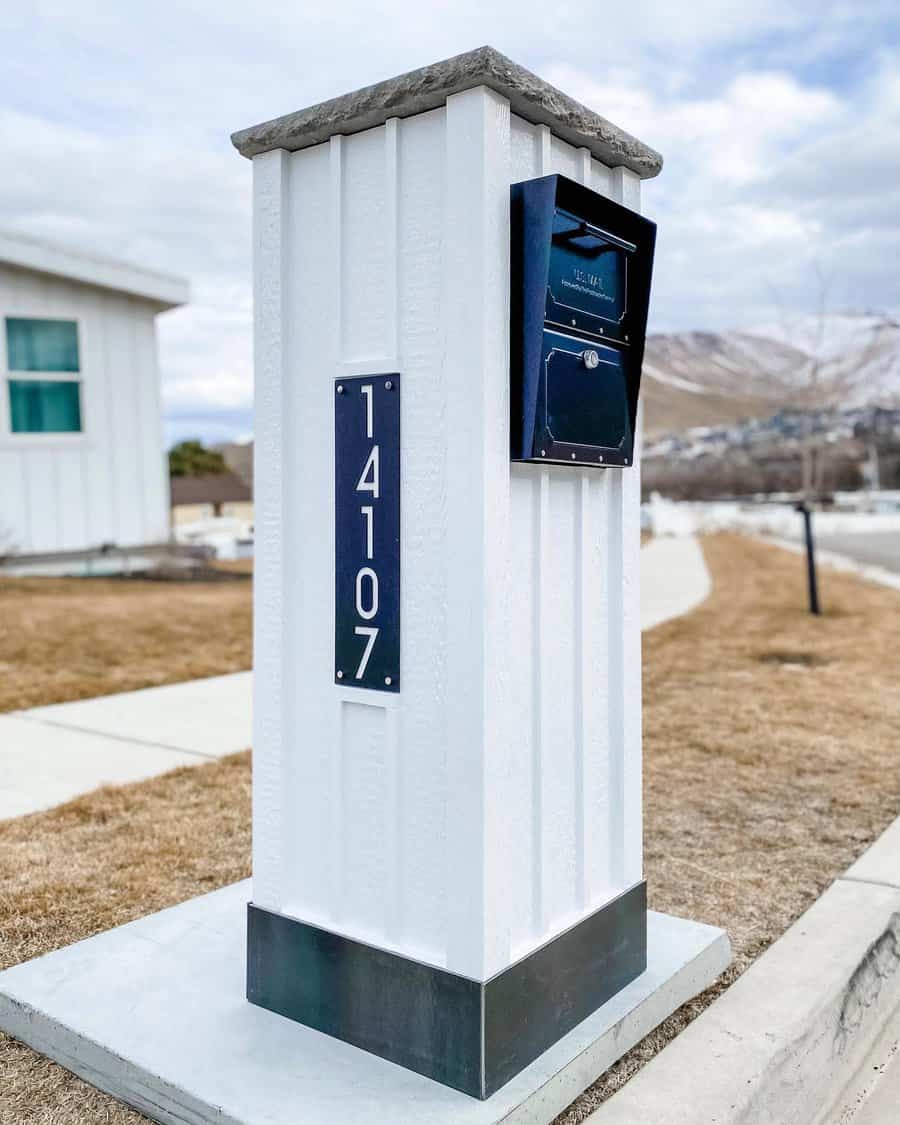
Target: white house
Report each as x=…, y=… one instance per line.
x=81, y=448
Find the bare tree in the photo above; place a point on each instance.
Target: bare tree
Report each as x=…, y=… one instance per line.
x=8, y=547
x=821, y=384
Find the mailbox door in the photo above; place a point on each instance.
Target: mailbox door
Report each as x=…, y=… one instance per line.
x=584, y=403
x=580, y=270
x=587, y=282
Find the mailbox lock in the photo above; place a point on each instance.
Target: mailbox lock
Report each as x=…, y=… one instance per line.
x=590, y=358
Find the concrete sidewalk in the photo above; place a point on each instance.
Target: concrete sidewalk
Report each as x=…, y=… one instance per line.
x=674, y=579
x=51, y=754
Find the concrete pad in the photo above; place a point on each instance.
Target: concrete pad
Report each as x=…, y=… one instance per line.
x=674, y=579
x=212, y=716
x=780, y=1045
x=154, y=1013
x=42, y=765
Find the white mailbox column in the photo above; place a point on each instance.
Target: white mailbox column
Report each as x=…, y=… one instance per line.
x=445, y=874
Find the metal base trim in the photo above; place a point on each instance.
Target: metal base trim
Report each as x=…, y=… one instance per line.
x=471, y=1035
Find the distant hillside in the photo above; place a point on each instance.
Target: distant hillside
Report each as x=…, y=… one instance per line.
x=709, y=379
x=722, y=394
x=693, y=379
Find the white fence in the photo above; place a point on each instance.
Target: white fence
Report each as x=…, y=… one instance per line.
x=671, y=517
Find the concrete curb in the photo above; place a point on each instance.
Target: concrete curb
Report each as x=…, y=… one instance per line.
x=790, y=1037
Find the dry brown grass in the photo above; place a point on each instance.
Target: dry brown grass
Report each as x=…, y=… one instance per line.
x=234, y=566
x=771, y=755
x=73, y=638
x=771, y=762
x=97, y=862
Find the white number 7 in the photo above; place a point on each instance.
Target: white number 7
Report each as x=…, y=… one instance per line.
x=371, y=632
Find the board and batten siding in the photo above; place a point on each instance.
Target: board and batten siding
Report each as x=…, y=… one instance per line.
x=109, y=483
x=496, y=800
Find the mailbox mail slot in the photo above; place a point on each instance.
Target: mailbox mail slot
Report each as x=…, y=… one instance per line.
x=580, y=287
x=587, y=288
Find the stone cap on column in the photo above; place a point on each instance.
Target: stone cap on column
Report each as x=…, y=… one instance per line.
x=420, y=90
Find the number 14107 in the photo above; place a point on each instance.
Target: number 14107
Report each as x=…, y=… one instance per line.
x=367, y=532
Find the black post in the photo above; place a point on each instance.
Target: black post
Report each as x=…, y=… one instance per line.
x=803, y=508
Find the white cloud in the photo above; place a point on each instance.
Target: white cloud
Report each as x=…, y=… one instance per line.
x=767, y=178
x=729, y=135
x=780, y=125
x=227, y=389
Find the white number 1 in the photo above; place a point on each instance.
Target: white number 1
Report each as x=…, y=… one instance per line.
x=367, y=512
x=367, y=391
x=371, y=632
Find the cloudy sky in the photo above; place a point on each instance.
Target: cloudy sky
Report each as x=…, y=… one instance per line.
x=780, y=125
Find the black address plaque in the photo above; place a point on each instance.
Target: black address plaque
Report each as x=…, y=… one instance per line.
x=367, y=532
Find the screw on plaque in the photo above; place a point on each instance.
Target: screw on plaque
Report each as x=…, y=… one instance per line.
x=340, y=388
x=388, y=386
x=590, y=357
x=339, y=674
x=387, y=680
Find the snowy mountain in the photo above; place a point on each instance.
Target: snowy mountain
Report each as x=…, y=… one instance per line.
x=705, y=379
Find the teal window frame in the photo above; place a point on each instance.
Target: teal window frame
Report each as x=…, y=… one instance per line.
x=44, y=406
x=41, y=344
x=43, y=390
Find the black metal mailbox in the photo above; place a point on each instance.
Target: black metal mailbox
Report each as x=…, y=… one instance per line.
x=580, y=288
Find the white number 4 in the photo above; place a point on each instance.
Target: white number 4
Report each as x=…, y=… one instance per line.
x=371, y=632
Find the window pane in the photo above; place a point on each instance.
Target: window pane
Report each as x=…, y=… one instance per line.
x=38, y=406
x=41, y=345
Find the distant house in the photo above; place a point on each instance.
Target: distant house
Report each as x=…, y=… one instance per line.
x=81, y=449
x=238, y=456
x=210, y=495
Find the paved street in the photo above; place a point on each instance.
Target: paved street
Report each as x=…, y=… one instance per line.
x=874, y=548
